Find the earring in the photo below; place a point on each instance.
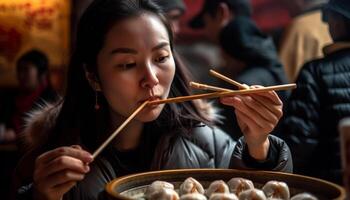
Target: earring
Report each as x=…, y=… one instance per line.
x=97, y=106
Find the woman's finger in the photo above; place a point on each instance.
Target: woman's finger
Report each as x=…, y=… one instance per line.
x=60, y=178
x=244, y=106
x=275, y=110
x=63, y=163
x=76, y=147
x=264, y=113
x=85, y=156
x=272, y=95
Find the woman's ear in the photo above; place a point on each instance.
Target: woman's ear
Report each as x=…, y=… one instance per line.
x=224, y=13
x=93, y=81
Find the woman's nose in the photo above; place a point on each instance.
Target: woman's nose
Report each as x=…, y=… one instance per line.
x=150, y=78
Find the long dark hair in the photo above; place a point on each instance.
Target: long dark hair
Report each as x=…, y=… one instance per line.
x=78, y=121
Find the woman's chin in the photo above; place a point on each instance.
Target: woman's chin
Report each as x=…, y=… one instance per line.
x=150, y=113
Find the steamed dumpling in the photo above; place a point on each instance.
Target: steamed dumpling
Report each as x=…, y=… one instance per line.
x=160, y=184
x=252, y=194
x=237, y=185
x=304, y=196
x=223, y=196
x=276, y=189
x=217, y=187
x=161, y=190
x=193, y=196
x=191, y=185
x=163, y=194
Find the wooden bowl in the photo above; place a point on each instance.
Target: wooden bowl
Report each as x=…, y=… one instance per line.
x=133, y=186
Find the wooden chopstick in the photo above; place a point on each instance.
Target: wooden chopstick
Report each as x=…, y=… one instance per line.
x=208, y=87
x=227, y=79
x=111, y=137
x=224, y=94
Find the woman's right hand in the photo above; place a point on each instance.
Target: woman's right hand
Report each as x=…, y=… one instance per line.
x=58, y=170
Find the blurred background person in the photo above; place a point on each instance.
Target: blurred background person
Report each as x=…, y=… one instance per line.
x=33, y=90
x=320, y=101
x=216, y=14
x=198, y=56
x=250, y=55
x=305, y=36
x=173, y=9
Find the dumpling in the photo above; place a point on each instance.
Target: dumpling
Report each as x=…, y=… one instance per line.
x=193, y=196
x=191, y=185
x=223, y=196
x=252, y=194
x=163, y=194
x=237, y=185
x=304, y=196
x=160, y=184
x=217, y=187
x=159, y=190
x=276, y=189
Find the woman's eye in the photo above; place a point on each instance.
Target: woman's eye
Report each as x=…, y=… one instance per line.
x=126, y=65
x=162, y=59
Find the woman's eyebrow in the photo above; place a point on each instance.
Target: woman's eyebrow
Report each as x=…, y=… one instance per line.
x=133, y=51
x=161, y=45
x=123, y=50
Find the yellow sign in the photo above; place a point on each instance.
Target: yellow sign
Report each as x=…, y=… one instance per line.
x=33, y=24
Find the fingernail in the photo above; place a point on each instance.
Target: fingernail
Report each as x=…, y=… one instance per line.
x=86, y=168
x=76, y=147
x=89, y=157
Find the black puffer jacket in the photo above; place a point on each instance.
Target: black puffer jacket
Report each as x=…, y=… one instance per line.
x=313, y=113
x=202, y=147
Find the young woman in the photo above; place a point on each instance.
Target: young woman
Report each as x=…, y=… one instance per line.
x=124, y=57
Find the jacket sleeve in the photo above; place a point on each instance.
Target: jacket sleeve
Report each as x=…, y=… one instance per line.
x=279, y=158
x=300, y=125
x=25, y=192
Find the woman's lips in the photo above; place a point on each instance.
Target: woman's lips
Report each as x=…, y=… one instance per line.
x=153, y=98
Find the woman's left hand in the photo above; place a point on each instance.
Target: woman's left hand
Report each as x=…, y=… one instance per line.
x=257, y=115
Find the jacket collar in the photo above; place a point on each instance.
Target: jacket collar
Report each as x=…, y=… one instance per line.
x=329, y=49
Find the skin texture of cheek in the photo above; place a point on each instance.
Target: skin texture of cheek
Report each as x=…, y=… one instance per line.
x=121, y=96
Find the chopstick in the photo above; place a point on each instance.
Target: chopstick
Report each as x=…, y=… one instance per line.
x=224, y=94
x=227, y=79
x=111, y=137
x=208, y=87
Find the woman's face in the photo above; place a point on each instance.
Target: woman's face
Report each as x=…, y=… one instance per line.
x=134, y=65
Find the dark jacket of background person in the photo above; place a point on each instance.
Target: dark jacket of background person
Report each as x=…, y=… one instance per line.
x=201, y=147
x=242, y=40
x=313, y=112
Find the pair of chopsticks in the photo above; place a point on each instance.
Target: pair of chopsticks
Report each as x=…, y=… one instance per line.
x=219, y=92
x=223, y=92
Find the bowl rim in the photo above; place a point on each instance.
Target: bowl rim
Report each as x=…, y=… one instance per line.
x=120, y=180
